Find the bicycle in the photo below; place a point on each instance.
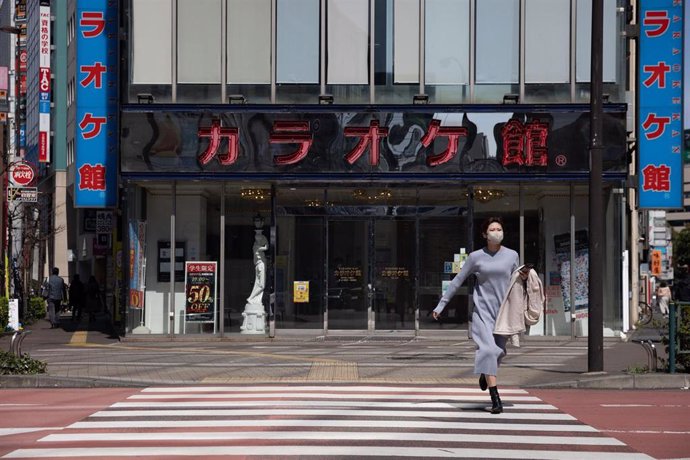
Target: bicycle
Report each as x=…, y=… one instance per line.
x=644, y=313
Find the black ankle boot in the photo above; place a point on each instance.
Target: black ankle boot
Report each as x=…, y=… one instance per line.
x=496, y=404
x=482, y=382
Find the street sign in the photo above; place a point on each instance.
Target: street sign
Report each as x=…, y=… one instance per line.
x=21, y=174
x=22, y=194
x=656, y=262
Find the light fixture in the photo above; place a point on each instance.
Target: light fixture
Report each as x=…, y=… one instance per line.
x=372, y=195
x=326, y=99
x=314, y=203
x=145, y=98
x=484, y=195
x=237, y=99
x=255, y=194
x=511, y=98
x=420, y=99
x=258, y=221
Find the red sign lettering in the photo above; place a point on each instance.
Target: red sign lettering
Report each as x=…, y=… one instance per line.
x=93, y=21
x=94, y=74
x=658, y=21
x=659, y=122
x=656, y=178
x=658, y=74
x=92, y=177
x=216, y=133
x=95, y=122
x=453, y=133
x=371, y=135
x=289, y=132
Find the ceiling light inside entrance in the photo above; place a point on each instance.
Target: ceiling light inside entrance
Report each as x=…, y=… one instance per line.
x=372, y=194
x=484, y=195
x=255, y=194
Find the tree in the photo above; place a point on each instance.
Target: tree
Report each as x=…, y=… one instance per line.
x=681, y=248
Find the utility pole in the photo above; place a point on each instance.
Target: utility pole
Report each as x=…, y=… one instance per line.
x=595, y=344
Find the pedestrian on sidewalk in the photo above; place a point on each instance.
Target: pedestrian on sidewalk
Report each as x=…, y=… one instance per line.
x=92, y=302
x=57, y=292
x=663, y=296
x=76, y=297
x=492, y=266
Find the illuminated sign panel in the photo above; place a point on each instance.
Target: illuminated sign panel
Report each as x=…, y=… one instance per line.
x=660, y=90
x=96, y=141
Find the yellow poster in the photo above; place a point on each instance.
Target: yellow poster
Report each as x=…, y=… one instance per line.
x=301, y=292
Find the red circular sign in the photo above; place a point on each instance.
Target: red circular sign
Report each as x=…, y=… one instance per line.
x=22, y=174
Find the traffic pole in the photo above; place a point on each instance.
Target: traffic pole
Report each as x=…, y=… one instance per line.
x=595, y=336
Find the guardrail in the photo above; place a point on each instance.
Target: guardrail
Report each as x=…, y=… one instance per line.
x=677, y=310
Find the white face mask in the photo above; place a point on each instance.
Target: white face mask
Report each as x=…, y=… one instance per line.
x=495, y=236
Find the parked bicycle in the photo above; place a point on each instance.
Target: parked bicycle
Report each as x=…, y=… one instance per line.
x=644, y=313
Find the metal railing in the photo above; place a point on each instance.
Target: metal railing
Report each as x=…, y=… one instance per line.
x=677, y=310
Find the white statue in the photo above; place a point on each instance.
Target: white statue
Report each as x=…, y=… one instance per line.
x=259, y=248
x=254, y=313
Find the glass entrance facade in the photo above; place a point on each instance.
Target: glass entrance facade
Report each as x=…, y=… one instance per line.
x=360, y=257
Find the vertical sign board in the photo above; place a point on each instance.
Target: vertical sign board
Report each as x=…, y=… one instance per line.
x=660, y=92
x=200, y=291
x=137, y=264
x=95, y=184
x=44, y=83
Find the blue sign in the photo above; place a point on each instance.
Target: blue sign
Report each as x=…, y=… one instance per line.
x=660, y=91
x=95, y=184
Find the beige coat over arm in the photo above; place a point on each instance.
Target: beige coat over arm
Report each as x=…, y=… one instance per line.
x=522, y=306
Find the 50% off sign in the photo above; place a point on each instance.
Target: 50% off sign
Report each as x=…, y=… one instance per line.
x=200, y=291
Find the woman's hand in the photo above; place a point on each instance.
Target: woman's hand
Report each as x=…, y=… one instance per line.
x=435, y=315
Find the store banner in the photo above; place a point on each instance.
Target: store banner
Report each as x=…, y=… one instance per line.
x=660, y=92
x=44, y=83
x=137, y=264
x=200, y=291
x=95, y=184
x=315, y=140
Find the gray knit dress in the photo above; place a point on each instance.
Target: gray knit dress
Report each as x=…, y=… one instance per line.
x=493, y=272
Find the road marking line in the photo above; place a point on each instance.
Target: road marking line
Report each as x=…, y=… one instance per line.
x=281, y=395
x=474, y=414
x=327, y=389
x=319, y=451
x=272, y=403
x=293, y=423
x=338, y=436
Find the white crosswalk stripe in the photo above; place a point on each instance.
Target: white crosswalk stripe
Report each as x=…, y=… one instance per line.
x=335, y=421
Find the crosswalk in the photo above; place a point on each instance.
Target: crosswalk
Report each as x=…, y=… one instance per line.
x=327, y=421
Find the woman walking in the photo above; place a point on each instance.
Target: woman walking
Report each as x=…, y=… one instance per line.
x=493, y=266
x=663, y=295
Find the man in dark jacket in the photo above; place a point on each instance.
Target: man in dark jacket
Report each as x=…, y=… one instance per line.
x=76, y=297
x=57, y=292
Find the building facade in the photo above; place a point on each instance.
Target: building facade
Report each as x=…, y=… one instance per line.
x=364, y=141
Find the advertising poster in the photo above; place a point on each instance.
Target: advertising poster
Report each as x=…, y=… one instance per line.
x=581, y=270
x=200, y=291
x=301, y=292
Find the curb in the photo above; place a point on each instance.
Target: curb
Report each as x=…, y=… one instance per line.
x=625, y=382
x=47, y=381
x=607, y=382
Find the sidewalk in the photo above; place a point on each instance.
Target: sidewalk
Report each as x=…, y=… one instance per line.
x=88, y=355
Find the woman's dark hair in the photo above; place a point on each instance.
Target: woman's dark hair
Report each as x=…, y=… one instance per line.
x=663, y=284
x=489, y=221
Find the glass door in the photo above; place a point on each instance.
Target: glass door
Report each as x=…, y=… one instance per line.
x=372, y=273
x=348, y=274
x=394, y=274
